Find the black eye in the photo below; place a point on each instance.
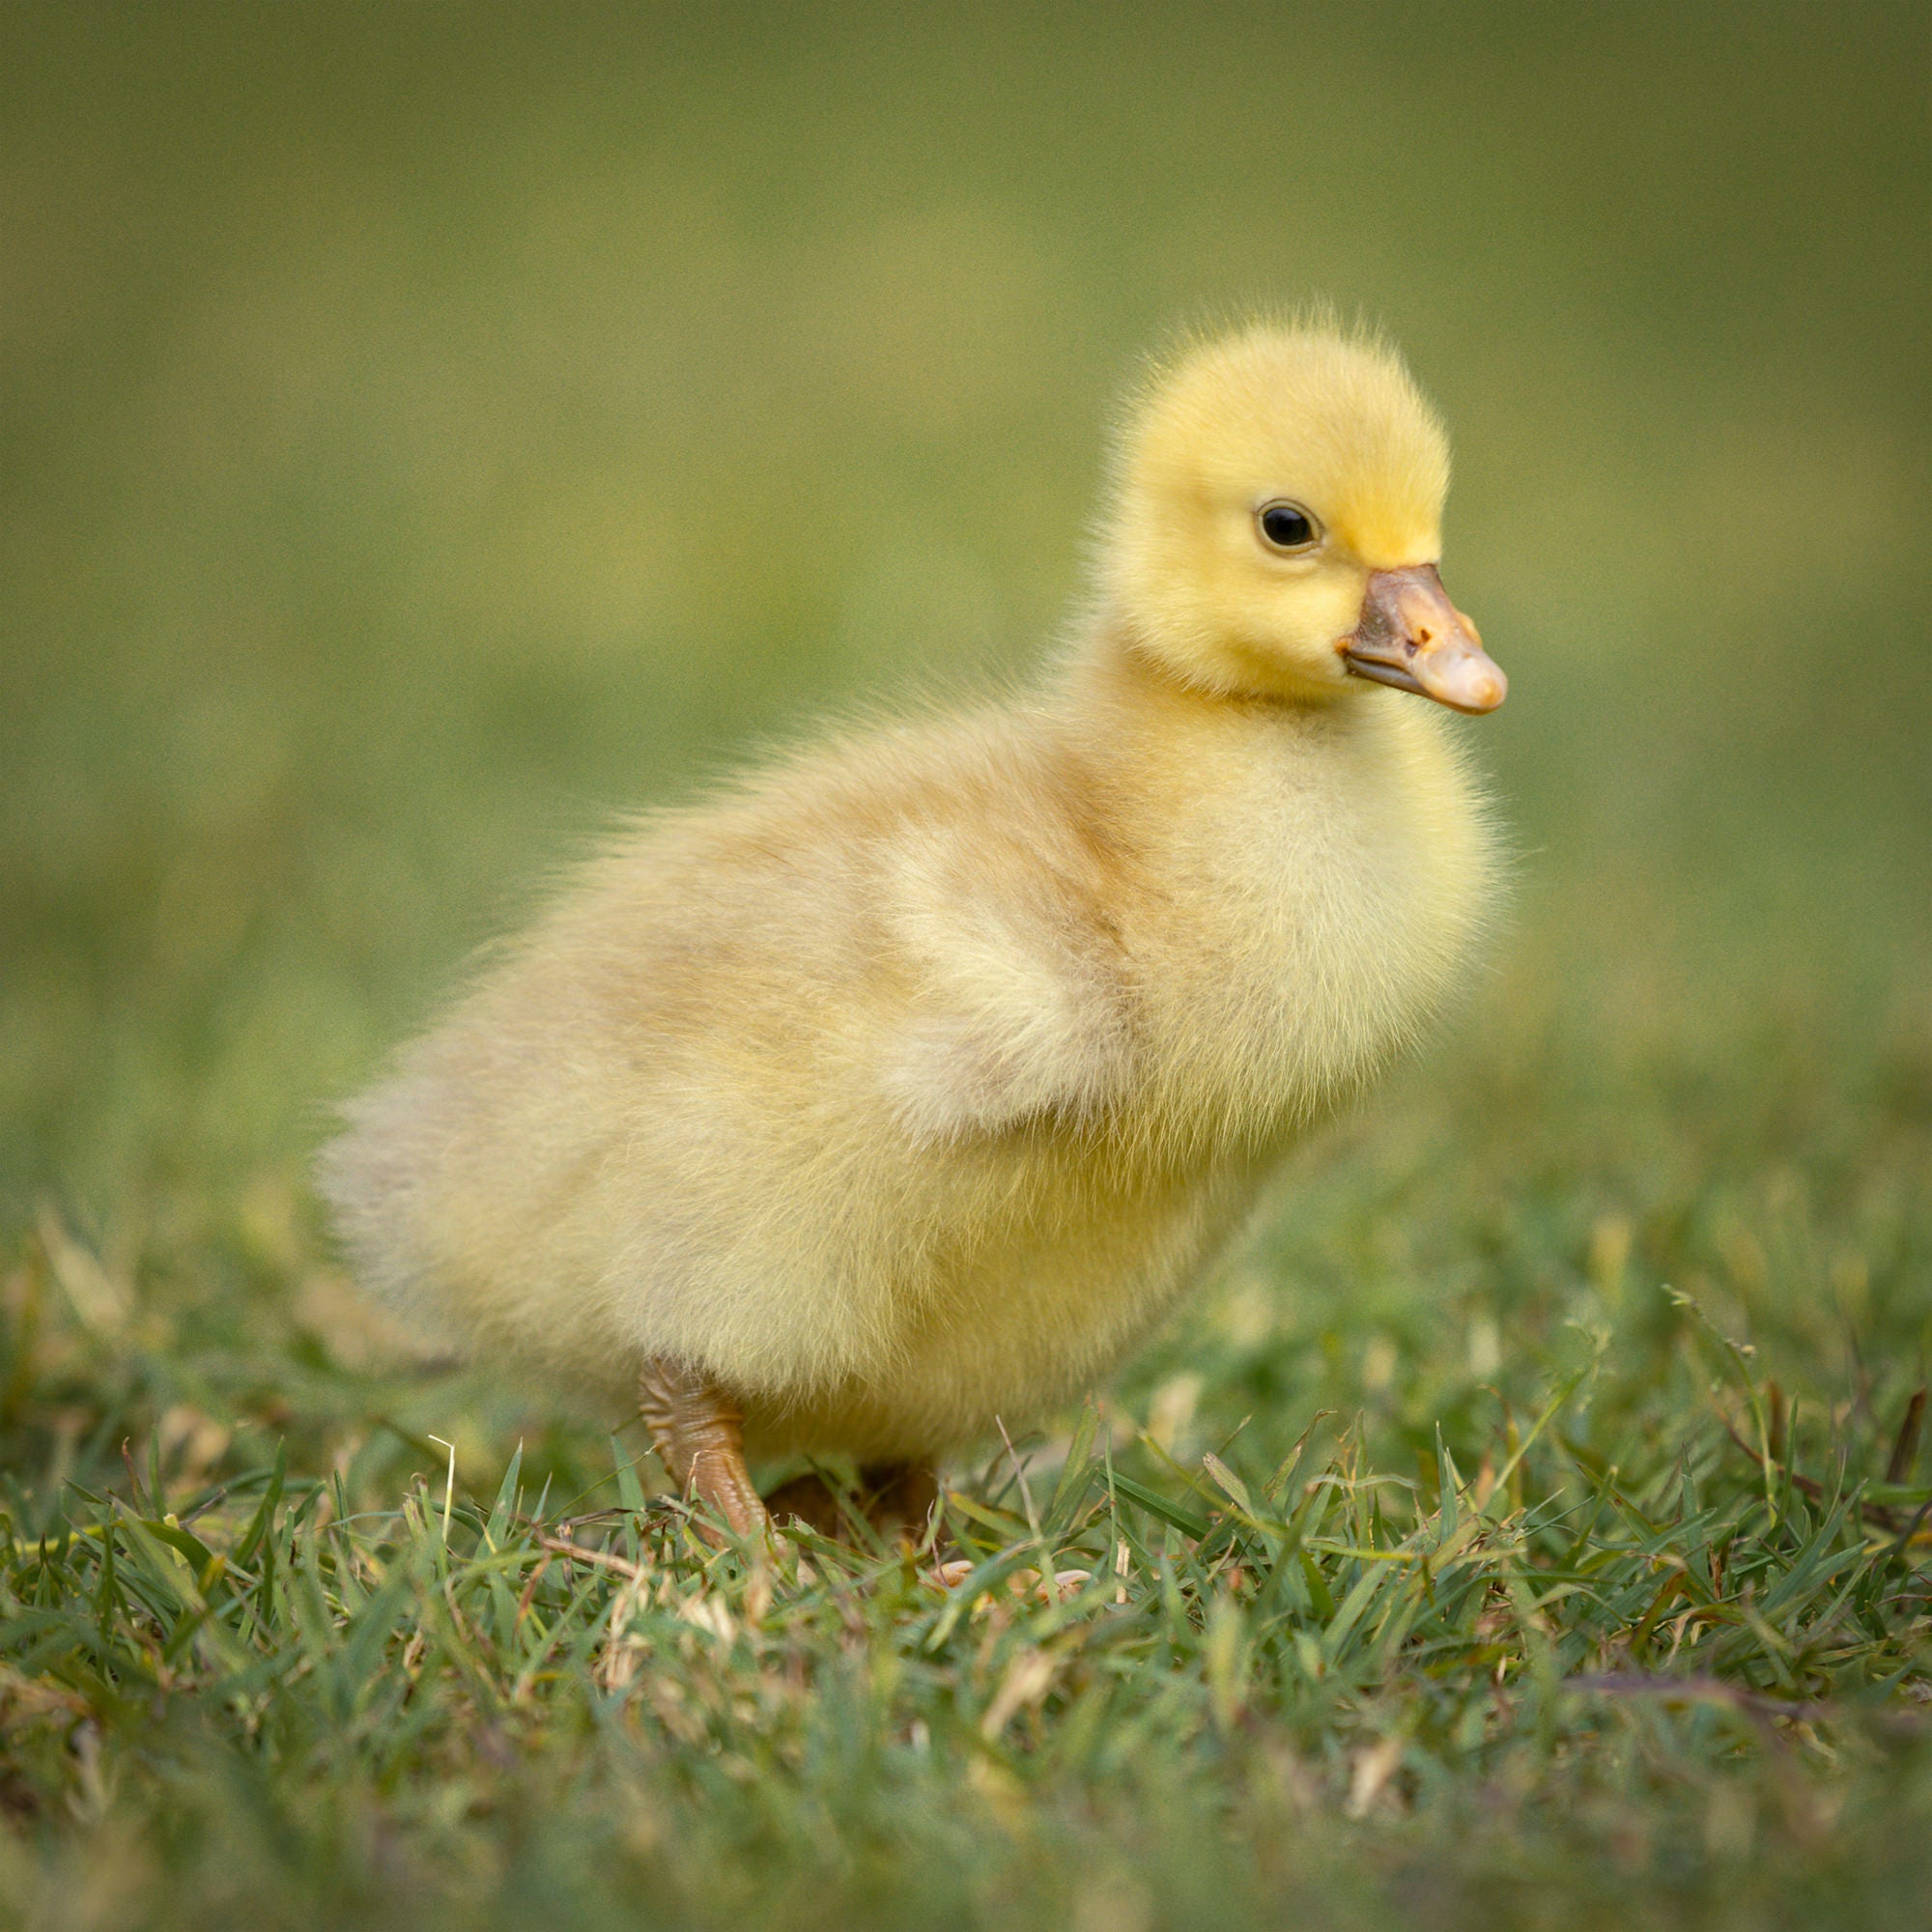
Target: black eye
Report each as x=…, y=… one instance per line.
x=1287, y=526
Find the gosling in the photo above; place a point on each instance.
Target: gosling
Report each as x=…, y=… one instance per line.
x=895, y=1092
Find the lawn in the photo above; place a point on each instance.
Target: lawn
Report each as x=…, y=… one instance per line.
x=421, y=437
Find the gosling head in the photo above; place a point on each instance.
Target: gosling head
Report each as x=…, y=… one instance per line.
x=1276, y=522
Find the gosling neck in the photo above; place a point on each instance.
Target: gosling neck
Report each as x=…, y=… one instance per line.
x=1121, y=706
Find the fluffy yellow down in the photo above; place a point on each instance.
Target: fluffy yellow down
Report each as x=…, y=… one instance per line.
x=907, y=1085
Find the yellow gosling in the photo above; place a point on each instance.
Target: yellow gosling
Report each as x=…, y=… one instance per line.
x=904, y=1086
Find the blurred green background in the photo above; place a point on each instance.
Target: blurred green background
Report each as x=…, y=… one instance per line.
x=426, y=430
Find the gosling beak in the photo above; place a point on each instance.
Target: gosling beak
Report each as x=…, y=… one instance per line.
x=1410, y=636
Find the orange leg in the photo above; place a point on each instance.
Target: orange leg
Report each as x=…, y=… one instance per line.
x=699, y=1438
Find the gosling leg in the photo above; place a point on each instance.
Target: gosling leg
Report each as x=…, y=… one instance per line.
x=901, y=1497
x=893, y=1498
x=699, y=1436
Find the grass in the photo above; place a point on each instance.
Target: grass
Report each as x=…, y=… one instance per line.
x=1524, y=1527
x=1667, y=1630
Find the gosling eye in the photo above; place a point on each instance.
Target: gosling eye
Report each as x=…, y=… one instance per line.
x=1287, y=526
